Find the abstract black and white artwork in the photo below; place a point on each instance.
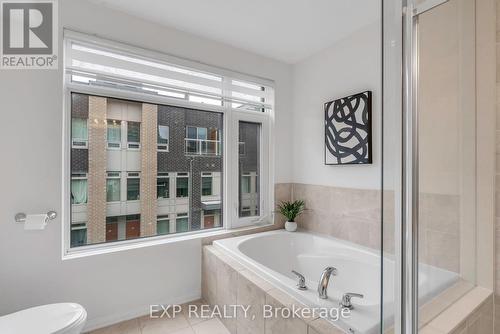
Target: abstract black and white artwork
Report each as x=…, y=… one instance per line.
x=348, y=130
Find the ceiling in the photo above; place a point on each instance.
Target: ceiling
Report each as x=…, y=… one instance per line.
x=285, y=30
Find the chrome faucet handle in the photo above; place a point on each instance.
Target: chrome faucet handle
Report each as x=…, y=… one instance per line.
x=346, y=299
x=331, y=270
x=302, y=280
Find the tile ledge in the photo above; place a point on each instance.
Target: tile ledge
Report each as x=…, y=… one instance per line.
x=451, y=318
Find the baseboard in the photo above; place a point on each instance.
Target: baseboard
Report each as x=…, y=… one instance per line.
x=100, y=322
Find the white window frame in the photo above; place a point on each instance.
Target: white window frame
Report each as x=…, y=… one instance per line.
x=207, y=175
x=199, y=151
x=163, y=175
x=182, y=175
x=133, y=175
x=181, y=215
x=266, y=196
x=164, y=218
x=81, y=140
x=131, y=144
x=109, y=175
x=229, y=141
x=80, y=176
x=119, y=147
x=163, y=147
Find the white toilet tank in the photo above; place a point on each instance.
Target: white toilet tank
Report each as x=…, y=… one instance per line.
x=61, y=318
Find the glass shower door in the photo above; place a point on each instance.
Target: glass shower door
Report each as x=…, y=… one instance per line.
x=429, y=210
x=446, y=145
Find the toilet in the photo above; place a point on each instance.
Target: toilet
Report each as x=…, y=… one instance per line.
x=61, y=318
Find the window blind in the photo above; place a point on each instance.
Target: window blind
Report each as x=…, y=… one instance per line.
x=95, y=62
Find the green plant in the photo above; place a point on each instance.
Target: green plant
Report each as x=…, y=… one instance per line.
x=290, y=210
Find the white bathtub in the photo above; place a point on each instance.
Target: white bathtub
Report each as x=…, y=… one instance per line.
x=273, y=255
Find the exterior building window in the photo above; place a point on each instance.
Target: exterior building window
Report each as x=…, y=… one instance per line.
x=206, y=184
x=133, y=226
x=114, y=133
x=211, y=218
x=79, y=188
x=163, y=138
x=79, y=133
x=162, y=224
x=112, y=228
x=245, y=211
x=123, y=227
x=246, y=181
x=182, y=223
x=241, y=148
x=163, y=185
x=134, y=135
x=202, y=141
x=182, y=185
x=78, y=234
x=113, y=188
x=133, y=186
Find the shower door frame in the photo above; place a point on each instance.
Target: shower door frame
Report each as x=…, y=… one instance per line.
x=401, y=36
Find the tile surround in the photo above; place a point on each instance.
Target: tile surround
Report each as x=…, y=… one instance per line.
x=355, y=215
x=254, y=291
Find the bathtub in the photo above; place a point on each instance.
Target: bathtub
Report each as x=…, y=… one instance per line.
x=273, y=255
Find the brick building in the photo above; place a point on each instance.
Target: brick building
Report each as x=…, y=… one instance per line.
x=142, y=169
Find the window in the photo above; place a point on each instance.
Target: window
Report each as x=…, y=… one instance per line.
x=202, y=141
x=182, y=223
x=245, y=211
x=211, y=218
x=114, y=133
x=207, y=119
x=163, y=137
x=246, y=180
x=133, y=186
x=78, y=234
x=133, y=135
x=241, y=148
x=249, y=165
x=206, y=184
x=113, y=188
x=162, y=224
x=163, y=185
x=123, y=227
x=79, y=188
x=112, y=228
x=79, y=132
x=182, y=185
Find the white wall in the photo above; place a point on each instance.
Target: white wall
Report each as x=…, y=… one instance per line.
x=114, y=285
x=349, y=66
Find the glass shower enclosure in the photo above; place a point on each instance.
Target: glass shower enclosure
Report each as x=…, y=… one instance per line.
x=429, y=208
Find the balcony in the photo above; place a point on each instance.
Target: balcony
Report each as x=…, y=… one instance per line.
x=203, y=147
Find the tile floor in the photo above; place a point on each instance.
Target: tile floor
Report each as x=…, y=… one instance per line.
x=181, y=324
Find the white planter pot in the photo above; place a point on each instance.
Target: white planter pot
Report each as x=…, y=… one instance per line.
x=291, y=226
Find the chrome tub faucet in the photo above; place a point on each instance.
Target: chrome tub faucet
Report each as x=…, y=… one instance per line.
x=324, y=280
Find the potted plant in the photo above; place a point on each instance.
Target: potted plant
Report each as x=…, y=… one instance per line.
x=291, y=210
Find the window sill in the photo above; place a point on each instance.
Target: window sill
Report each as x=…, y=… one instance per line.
x=106, y=248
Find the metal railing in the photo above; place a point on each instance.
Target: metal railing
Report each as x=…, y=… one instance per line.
x=202, y=147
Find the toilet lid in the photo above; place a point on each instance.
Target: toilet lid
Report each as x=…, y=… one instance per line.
x=45, y=319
